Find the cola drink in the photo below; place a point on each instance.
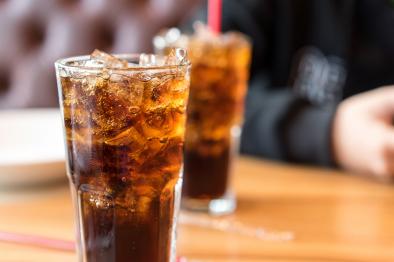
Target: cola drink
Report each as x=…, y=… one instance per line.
x=220, y=69
x=124, y=127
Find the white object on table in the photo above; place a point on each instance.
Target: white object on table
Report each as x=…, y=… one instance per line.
x=31, y=147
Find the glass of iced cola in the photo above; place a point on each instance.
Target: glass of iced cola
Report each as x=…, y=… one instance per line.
x=124, y=122
x=219, y=75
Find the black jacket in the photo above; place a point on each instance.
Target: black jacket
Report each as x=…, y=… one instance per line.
x=308, y=56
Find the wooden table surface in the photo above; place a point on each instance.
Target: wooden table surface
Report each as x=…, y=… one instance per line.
x=334, y=217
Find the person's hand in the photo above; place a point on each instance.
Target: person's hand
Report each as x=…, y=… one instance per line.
x=363, y=133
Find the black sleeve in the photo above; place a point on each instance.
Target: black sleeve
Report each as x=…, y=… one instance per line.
x=280, y=125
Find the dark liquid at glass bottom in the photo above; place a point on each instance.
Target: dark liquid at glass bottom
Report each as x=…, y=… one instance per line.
x=116, y=234
x=205, y=177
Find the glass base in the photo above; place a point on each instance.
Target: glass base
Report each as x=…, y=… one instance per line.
x=221, y=206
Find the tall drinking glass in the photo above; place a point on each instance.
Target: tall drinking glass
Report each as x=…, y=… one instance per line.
x=124, y=131
x=219, y=75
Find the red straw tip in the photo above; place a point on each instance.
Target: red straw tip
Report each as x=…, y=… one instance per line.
x=215, y=15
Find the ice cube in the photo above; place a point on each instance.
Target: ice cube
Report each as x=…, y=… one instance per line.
x=116, y=102
x=157, y=122
x=144, y=76
x=147, y=60
x=94, y=63
x=127, y=137
x=155, y=146
x=131, y=89
x=157, y=93
x=177, y=56
x=97, y=197
x=100, y=58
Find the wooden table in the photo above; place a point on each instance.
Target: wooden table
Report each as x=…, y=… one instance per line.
x=334, y=217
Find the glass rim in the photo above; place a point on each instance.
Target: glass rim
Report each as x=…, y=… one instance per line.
x=65, y=63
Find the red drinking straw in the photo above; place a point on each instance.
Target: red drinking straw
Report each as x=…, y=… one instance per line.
x=38, y=241
x=215, y=15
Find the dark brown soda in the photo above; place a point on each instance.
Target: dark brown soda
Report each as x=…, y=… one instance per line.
x=215, y=111
x=124, y=137
x=117, y=235
x=127, y=222
x=206, y=176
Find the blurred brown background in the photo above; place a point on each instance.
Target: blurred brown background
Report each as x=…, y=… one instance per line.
x=35, y=33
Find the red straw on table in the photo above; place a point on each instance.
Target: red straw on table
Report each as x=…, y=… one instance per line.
x=215, y=15
x=38, y=241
